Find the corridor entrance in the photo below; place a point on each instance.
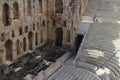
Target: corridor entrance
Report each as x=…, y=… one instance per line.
x=59, y=37
x=78, y=42
x=30, y=39
x=9, y=48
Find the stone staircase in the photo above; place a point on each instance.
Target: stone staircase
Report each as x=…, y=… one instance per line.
x=73, y=73
x=101, y=50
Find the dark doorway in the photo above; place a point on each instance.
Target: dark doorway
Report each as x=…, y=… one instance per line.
x=59, y=6
x=68, y=36
x=30, y=39
x=9, y=49
x=15, y=10
x=36, y=39
x=41, y=35
x=78, y=42
x=18, y=47
x=6, y=14
x=24, y=44
x=59, y=37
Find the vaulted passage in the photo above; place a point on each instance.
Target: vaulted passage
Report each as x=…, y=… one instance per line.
x=6, y=14
x=16, y=10
x=59, y=37
x=9, y=49
x=18, y=47
x=30, y=40
x=78, y=42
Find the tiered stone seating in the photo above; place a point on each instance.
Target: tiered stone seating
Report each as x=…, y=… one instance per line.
x=100, y=50
x=99, y=57
x=73, y=73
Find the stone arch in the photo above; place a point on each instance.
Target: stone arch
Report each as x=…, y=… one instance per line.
x=59, y=37
x=18, y=47
x=6, y=14
x=29, y=8
x=36, y=39
x=59, y=6
x=68, y=36
x=40, y=6
x=9, y=49
x=16, y=13
x=24, y=44
x=30, y=40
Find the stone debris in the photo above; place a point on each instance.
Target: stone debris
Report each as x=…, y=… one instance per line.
x=33, y=62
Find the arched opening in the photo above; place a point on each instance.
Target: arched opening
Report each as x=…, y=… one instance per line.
x=64, y=23
x=36, y=39
x=41, y=35
x=54, y=23
x=9, y=49
x=26, y=29
x=59, y=37
x=24, y=44
x=58, y=6
x=15, y=10
x=38, y=25
x=20, y=31
x=6, y=14
x=78, y=42
x=43, y=23
x=30, y=40
x=68, y=36
x=29, y=8
x=13, y=34
x=40, y=6
x=33, y=26
x=18, y=47
x=3, y=37
x=80, y=11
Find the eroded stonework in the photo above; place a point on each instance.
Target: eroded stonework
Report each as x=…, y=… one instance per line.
x=28, y=24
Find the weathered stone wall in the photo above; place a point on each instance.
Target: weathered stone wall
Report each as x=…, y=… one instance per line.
x=68, y=20
x=30, y=23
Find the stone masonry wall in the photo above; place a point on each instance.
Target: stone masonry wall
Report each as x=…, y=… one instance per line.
x=27, y=24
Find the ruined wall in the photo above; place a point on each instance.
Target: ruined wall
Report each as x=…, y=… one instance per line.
x=68, y=19
x=23, y=27
x=27, y=24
